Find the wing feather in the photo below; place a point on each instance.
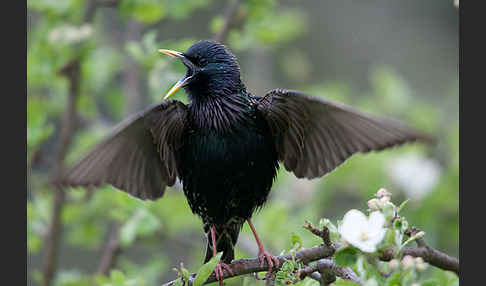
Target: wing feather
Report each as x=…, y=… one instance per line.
x=138, y=155
x=313, y=136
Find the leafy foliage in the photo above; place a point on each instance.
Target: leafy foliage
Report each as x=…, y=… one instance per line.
x=370, y=270
x=155, y=236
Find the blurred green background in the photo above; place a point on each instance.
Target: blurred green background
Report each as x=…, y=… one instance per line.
x=393, y=58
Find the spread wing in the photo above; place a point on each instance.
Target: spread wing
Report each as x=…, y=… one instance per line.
x=138, y=155
x=313, y=136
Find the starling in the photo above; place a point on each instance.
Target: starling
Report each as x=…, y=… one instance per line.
x=225, y=146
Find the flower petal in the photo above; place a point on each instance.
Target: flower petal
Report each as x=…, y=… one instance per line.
x=367, y=246
x=355, y=216
x=377, y=237
x=376, y=221
x=352, y=224
x=352, y=227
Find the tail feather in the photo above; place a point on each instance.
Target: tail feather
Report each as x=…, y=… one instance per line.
x=226, y=238
x=227, y=247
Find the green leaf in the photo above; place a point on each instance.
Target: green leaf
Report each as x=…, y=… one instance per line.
x=101, y=279
x=184, y=272
x=309, y=282
x=402, y=205
x=38, y=129
x=397, y=224
x=181, y=9
x=146, y=11
x=216, y=24
x=51, y=8
x=413, y=238
x=327, y=223
x=391, y=240
x=333, y=231
x=128, y=233
x=430, y=282
x=34, y=242
x=371, y=282
x=296, y=240
x=346, y=256
x=268, y=28
x=391, y=88
x=117, y=278
x=88, y=231
x=342, y=282
x=206, y=270
x=34, y=225
x=142, y=223
x=400, y=225
x=394, y=280
x=287, y=274
x=178, y=282
x=135, y=50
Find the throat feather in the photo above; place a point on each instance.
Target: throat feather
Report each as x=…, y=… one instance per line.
x=221, y=113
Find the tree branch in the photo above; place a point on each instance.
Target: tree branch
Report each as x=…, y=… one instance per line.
x=111, y=251
x=324, y=269
x=246, y=266
x=68, y=126
x=328, y=271
x=229, y=13
x=430, y=255
x=324, y=233
x=132, y=75
x=52, y=238
x=435, y=258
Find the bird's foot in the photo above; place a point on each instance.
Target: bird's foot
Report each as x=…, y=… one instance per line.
x=271, y=260
x=219, y=271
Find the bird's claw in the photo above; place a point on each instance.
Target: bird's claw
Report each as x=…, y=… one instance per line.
x=219, y=271
x=271, y=260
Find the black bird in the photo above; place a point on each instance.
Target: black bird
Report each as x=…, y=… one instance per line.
x=226, y=145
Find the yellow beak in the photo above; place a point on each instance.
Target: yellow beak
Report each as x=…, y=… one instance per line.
x=171, y=53
x=182, y=81
x=175, y=88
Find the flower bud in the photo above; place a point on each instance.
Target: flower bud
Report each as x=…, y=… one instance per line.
x=418, y=235
x=385, y=199
x=420, y=264
x=374, y=204
x=407, y=262
x=421, y=267
x=393, y=264
x=383, y=192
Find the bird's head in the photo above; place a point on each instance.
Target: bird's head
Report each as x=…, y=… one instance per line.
x=212, y=70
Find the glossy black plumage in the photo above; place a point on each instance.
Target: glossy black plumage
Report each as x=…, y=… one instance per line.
x=226, y=144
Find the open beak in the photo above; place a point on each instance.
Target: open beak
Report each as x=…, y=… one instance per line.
x=171, y=53
x=183, y=81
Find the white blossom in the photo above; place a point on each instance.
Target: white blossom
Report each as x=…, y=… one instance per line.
x=362, y=232
x=415, y=174
x=69, y=34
